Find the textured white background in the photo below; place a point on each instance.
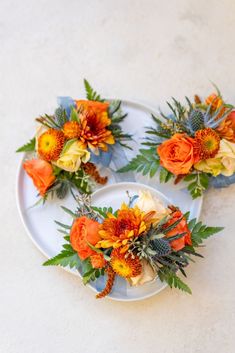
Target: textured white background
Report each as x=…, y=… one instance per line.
x=134, y=49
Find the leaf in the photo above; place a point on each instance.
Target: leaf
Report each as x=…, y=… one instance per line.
x=67, y=145
x=204, y=180
x=28, y=147
x=147, y=162
x=90, y=93
x=103, y=210
x=63, y=225
x=71, y=213
x=74, y=115
x=199, y=184
x=173, y=280
x=172, y=226
x=62, y=190
x=60, y=115
x=163, y=175
x=114, y=107
x=201, y=232
x=190, y=177
x=64, y=259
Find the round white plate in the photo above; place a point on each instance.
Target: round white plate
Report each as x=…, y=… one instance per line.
x=39, y=220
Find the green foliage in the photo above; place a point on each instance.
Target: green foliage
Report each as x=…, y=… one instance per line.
x=49, y=121
x=67, y=257
x=103, y=210
x=60, y=116
x=170, y=277
x=165, y=175
x=71, y=213
x=28, y=147
x=145, y=162
x=200, y=232
x=74, y=115
x=92, y=274
x=91, y=94
x=68, y=145
x=66, y=181
x=62, y=189
x=198, y=183
x=117, y=117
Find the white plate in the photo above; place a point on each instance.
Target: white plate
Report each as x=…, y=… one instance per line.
x=39, y=220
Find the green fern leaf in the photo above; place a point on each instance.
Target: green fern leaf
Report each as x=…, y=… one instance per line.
x=147, y=162
x=64, y=259
x=28, y=147
x=201, y=232
x=168, y=276
x=91, y=94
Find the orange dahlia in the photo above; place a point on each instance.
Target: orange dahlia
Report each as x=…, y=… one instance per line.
x=94, y=122
x=118, y=231
x=124, y=265
x=71, y=129
x=50, y=144
x=208, y=141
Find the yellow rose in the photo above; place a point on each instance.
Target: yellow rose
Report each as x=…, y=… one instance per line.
x=222, y=163
x=210, y=165
x=72, y=156
x=227, y=155
x=146, y=203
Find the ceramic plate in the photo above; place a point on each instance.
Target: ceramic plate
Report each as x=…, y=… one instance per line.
x=39, y=220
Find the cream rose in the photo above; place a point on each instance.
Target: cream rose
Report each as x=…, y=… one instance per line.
x=146, y=202
x=72, y=157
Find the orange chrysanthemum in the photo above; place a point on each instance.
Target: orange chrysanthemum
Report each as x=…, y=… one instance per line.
x=214, y=100
x=94, y=122
x=124, y=265
x=226, y=128
x=71, y=129
x=208, y=142
x=118, y=231
x=50, y=144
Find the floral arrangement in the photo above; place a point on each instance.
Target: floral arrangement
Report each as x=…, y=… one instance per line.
x=195, y=143
x=68, y=144
x=140, y=241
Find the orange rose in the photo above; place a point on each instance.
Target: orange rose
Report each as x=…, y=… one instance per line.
x=178, y=154
x=214, y=100
x=84, y=231
x=227, y=128
x=182, y=227
x=97, y=107
x=41, y=173
x=97, y=260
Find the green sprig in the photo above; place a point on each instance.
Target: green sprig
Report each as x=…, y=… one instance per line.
x=28, y=147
